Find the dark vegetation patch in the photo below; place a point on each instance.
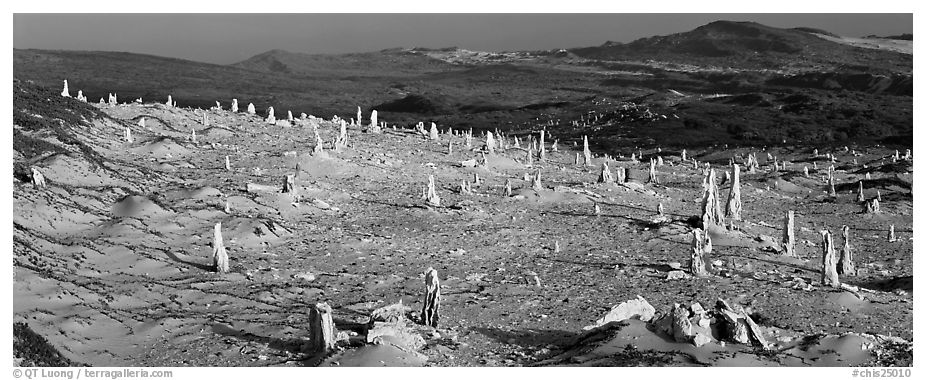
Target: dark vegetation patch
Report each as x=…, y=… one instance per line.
x=35, y=351
x=415, y=104
x=43, y=111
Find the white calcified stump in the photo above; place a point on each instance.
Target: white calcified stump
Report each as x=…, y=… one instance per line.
x=652, y=171
x=535, y=182
x=752, y=163
x=359, y=117
x=891, y=237
x=251, y=109
x=485, y=161
x=529, y=157
x=289, y=185
x=430, y=312
x=450, y=148
x=878, y=195
x=586, y=152
x=271, y=119
x=734, y=203
x=169, y=102
x=660, y=210
x=706, y=243
x=831, y=184
x=38, y=180
x=684, y=155
x=219, y=256
x=319, y=144
x=193, y=135
x=508, y=187
x=554, y=147
x=806, y=172
x=597, y=209
x=787, y=239
x=289, y=115
x=659, y=161
x=227, y=207
x=321, y=328
x=845, y=266
x=517, y=142
x=205, y=119
x=431, y=198
x=469, y=139
x=490, y=143
x=860, y=197
x=128, y=135
x=374, y=120
x=577, y=159
x=234, y=106
x=227, y=164
x=432, y=133
x=543, y=147
x=605, y=176
x=218, y=106
x=141, y=123
x=710, y=205
x=696, y=266
x=830, y=276
x=476, y=179
x=342, y=134
x=80, y=96
x=621, y=174
x=65, y=92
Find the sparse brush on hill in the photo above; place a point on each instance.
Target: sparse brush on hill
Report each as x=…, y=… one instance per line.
x=32, y=350
x=40, y=111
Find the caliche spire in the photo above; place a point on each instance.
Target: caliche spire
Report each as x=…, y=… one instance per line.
x=219, y=256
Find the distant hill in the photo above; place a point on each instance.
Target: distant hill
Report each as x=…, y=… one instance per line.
x=191, y=84
x=390, y=61
x=752, y=46
x=903, y=37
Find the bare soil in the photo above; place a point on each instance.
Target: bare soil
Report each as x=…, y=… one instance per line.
x=113, y=264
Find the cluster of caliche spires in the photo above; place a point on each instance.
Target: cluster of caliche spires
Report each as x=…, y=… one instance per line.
x=713, y=216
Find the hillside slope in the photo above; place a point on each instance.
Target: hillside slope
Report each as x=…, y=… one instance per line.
x=113, y=255
x=397, y=62
x=749, y=45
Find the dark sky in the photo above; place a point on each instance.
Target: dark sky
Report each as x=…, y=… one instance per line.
x=229, y=38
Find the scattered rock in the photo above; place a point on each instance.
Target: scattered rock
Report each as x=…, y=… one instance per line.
x=308, y=277
x=632, y=309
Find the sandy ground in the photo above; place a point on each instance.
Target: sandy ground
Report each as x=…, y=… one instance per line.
x=113, y=265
